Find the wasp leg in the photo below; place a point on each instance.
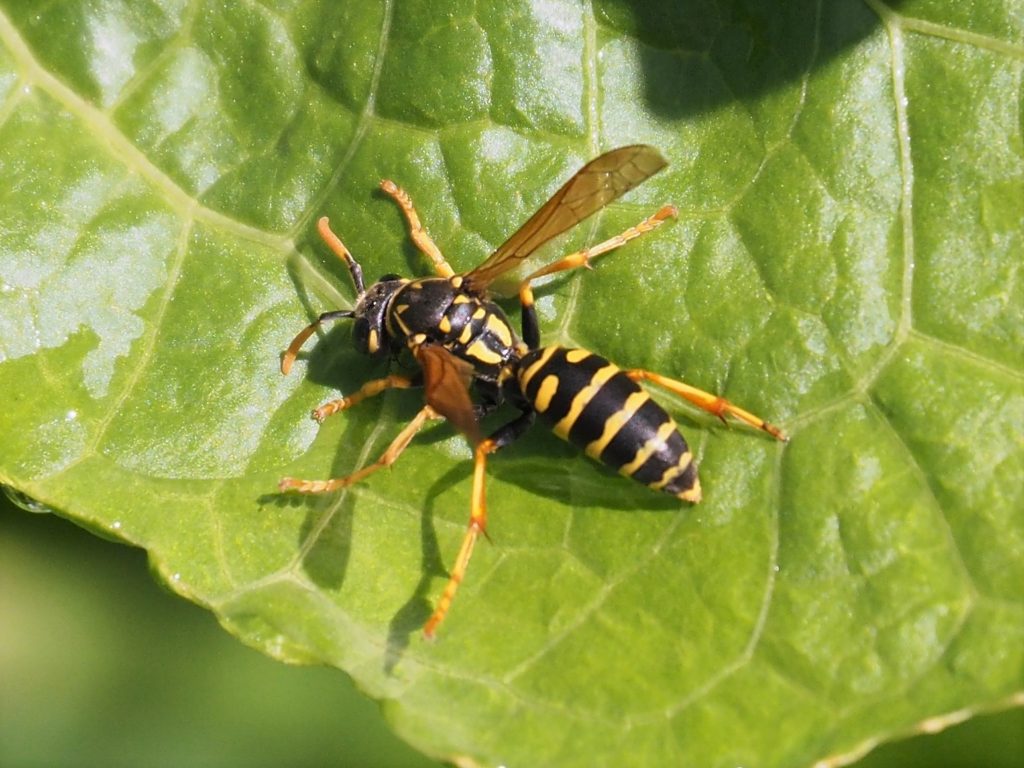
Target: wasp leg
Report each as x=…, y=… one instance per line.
x=369, y=389
x=386, y=459
x=334, y=243
x=477, y=514
x=531, y=331
x=719, y=406
x=417, y=232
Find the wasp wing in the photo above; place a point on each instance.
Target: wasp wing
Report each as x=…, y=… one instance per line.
x=596, y=184
x=446, y=381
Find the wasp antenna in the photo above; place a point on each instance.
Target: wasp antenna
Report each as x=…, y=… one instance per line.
x=288, y=358
x=334, y=243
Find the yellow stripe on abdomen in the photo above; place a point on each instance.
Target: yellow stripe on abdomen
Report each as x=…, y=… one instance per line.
x=582, y=398
x=615, y=422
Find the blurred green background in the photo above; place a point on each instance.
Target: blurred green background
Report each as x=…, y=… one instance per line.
x=100, y=666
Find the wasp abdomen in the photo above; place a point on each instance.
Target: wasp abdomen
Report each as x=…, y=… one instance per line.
x=593, y=404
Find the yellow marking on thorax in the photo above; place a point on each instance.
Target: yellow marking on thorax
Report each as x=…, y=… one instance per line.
x=499, y=329
x=398, y=319
x=444, y=324
x=577, y=355
x=467, y=334
x=529, y=373
x=461, y=298
x=584, y=396
x=647, y=449
x=478, y=350
x=615, y=422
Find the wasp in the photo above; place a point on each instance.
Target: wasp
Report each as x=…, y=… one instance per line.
x=464, y=345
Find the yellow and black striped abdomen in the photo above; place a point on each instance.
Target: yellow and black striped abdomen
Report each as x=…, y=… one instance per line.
x=593, y=404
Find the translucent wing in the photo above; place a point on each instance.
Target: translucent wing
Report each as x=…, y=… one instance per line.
x=595, y=185
x=446, y=381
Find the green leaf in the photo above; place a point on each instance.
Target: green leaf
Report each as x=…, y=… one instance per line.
x=846, y=263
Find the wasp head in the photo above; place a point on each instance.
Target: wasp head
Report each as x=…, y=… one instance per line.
x=370, y=333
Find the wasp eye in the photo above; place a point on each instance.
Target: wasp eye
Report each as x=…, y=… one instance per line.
x=389, y=277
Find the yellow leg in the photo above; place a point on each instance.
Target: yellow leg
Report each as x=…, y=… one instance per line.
x=386, y=459
x=369, y=389
x=719, y=406
x=418, y=234
x=477, y=525
x=582, y=258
